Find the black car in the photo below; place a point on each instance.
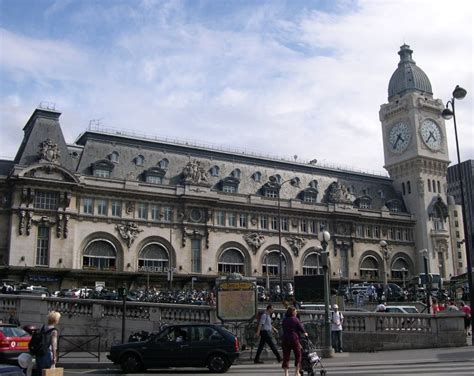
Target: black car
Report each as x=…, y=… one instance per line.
x=196, y=345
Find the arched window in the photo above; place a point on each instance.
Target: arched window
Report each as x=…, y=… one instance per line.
x=153, y=258
x=369, y=268
x=139, y=160
x=236, y=173
x=215, y=171
x=99, y=255
x=257, y=176
x=272, y=261
x=231, y=261
x=312, y=264
x=163, y=164
x=400, y=269
x=114, y=157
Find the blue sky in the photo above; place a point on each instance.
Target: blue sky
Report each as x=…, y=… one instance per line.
x=283, y=78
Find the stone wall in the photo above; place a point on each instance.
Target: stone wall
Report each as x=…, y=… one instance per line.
x=363, y=331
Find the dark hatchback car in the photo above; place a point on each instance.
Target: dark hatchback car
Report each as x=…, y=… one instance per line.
x=197, y=345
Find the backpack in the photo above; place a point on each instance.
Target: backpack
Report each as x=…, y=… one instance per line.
x=40, y=342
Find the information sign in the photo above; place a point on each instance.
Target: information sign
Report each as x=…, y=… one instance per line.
x=236, y=300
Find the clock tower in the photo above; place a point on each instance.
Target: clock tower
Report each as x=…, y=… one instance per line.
x=416, y=158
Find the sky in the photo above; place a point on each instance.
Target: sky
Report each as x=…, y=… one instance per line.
x=300, y=79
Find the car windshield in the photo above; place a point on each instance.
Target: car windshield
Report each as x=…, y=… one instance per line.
x=411, y=309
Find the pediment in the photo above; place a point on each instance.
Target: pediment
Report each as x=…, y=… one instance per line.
x=49, y=171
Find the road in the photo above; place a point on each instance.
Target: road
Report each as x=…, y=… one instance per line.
x=456, y=368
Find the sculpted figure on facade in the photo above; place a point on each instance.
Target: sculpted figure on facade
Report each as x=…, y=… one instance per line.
x=194, y=173
x=21, y=223
x=29, y=221
x=66, y=225
x=296, y=243
x=128, y=232
x=338, y=193
x=49, y=151
x=254, y=241
x=59, y=225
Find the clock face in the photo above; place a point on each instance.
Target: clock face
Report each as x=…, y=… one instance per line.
x=431, y=134
x=399, y=137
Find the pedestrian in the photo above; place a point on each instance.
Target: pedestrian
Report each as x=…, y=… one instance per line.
x=264, y=331
x=292, y=328
x=463, y=307
x=452, y=307
x=49, y=359
x=13, y=319
x=337, y=319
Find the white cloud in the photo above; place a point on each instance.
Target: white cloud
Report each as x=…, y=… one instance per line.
x=309, y=84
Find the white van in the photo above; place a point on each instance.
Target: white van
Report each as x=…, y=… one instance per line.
x=401, y=309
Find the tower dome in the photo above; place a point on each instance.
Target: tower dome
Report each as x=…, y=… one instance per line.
x=408, y=76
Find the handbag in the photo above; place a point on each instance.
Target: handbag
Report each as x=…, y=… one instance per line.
x=53, y=372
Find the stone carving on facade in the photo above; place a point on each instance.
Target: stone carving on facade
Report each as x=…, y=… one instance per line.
x=29, y=221
x=66, y=225
x=195, y=233
x=194, y=173
x=338, y=193
x=21, y=221
x=49, y=151
x=128, y=232
x=254, y=241
x=296, y=243
x=130, y=207
x=343, y=228
x=59, y=225
x=26, y=196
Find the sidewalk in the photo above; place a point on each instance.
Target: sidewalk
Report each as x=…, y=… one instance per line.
x=413, y=356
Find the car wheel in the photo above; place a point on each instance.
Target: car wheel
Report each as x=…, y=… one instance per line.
x=218, y=363
x=131, y=363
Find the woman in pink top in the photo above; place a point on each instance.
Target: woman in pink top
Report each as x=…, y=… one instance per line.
x=292, y=328
x=467, y=316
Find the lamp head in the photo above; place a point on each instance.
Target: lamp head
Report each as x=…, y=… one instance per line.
x=324, y=236
x=459, y=92
x=447, y=114
x=383, y=244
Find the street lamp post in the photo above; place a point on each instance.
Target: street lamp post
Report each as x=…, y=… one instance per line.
x=385, y=256
x=427, y=280
x=268, y=275
x=278, y=186
x=403, y=276
x=324, y=238
x=460, y=93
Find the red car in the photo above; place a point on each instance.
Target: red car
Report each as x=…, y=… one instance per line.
x=13, y=341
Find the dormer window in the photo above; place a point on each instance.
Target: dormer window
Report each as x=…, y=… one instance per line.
x=364, y=202
x=114, y=157
x=102, y=168
x=230, y=185
x=257, y=176
x=236, y=173
x=215, y=171
x=395, y=206
x=270, y=189
x=154, y=175
x=163, y=164
x=139, y=160
x=310, y=195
